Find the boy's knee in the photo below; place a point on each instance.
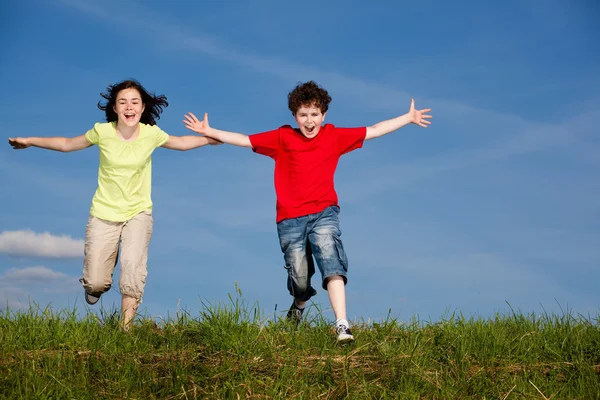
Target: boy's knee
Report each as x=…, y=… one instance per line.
x=300, y=288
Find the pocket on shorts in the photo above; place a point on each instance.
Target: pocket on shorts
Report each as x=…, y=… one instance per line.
x=341, y=253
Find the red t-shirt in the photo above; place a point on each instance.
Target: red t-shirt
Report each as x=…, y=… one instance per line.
x=304, y=167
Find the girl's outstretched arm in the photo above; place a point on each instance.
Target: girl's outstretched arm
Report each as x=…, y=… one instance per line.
x=188, y=142
x=202, y=127
x=62, y=144
x=414, y=116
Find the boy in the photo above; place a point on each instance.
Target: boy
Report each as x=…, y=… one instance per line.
x=307, y=206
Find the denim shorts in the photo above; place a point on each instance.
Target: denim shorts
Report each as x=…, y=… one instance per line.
x=313, y=235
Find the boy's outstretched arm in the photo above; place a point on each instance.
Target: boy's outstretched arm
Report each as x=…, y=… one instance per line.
x=62, y=144
x=418, y=117
x=203, y=128
x=188, y=142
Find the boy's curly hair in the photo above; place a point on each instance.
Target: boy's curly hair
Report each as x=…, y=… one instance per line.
x=154, y=104
x=308, y=94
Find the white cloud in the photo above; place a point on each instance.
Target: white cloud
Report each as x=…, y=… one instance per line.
x=31, y=275
x=29, y=243
x=21, y=287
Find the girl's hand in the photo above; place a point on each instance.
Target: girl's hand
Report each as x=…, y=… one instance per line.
x=19, y=143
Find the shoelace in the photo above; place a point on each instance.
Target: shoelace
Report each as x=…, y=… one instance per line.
x=342, y=329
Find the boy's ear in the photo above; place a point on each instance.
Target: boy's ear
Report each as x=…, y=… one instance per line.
x=324, y=114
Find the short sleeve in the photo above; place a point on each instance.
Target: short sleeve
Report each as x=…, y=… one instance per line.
x=266, y=143
x=92, y=135
x=349, y=139
x=161, y=136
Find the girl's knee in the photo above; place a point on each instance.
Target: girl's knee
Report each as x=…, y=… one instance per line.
x=96, y=285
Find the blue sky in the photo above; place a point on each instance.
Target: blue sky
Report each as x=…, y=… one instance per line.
x=497, y=202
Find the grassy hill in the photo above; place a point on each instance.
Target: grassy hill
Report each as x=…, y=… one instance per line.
x=231, y=352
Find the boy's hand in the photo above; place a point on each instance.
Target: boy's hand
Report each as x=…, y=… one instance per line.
x=193, y=124
x=418, y=117
x=19, y=143
x=203, y=128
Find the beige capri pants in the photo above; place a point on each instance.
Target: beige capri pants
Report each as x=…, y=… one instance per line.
x=101, y=251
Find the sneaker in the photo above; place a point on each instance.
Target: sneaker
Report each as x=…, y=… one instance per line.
x=295, y=313
x=90, y=298
x=344, y=334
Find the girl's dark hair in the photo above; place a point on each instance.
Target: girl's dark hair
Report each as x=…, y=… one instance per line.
x=308, y=94
x=153, y=104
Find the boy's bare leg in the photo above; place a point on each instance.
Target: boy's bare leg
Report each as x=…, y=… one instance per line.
x=337, y=296
x=129, y=306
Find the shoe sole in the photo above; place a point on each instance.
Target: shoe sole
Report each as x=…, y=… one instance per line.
x=91, y=300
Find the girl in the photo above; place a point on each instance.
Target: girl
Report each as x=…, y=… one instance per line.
x=121, y=210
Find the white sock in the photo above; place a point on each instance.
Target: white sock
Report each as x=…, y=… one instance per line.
x=342, y=321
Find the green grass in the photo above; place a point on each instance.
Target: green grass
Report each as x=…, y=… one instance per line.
x=231, y=352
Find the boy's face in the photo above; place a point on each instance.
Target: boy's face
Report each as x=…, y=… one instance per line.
x=309, y=119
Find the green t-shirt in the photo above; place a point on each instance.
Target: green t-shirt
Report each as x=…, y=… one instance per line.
x=125, y=171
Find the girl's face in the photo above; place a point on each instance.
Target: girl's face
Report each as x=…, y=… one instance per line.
x=129, y=107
